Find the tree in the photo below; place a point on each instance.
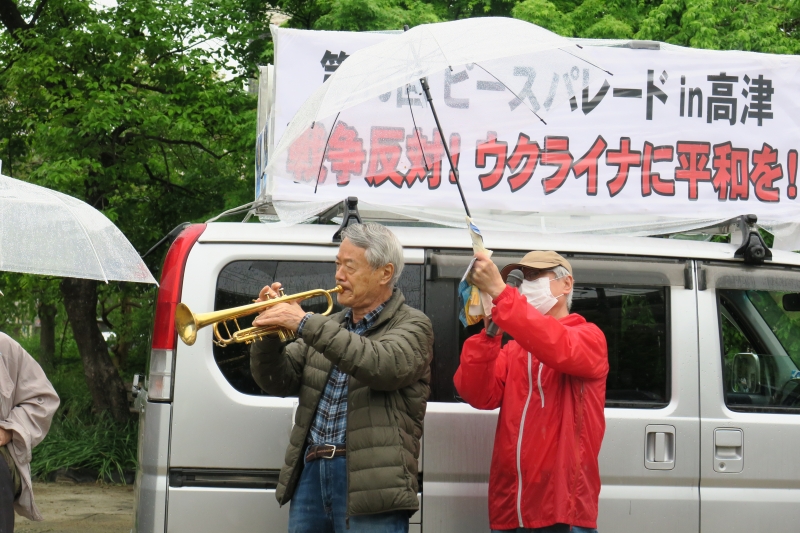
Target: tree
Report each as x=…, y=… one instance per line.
x=365, y=15
x=759, y=26
x=105, y=385
x=47, y=335
x=124, y=108
x=355, y=15
x=594, y=19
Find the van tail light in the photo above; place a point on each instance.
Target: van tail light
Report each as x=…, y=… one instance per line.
x=165, y=339
x=159, y=381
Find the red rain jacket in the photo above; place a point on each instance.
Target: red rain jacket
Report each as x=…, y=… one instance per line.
x=550, y=385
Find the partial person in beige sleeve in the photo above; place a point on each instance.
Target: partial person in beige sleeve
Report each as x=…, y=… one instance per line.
x=27, y=404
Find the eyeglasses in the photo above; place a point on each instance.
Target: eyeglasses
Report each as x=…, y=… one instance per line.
x=531, y=274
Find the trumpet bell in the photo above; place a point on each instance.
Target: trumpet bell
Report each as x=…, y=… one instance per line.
x=186, y=324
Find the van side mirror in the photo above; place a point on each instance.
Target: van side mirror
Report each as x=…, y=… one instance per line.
x=746, y=373
x=791, y=301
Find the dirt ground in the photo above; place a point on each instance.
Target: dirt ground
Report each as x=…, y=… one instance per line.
x=80, y=508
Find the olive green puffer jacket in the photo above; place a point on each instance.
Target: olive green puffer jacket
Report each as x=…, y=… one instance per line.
x=388, y=388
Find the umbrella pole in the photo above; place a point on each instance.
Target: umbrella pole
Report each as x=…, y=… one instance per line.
x=426, y=88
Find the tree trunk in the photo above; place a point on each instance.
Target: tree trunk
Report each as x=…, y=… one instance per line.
x=47, y=335
x=102, y=377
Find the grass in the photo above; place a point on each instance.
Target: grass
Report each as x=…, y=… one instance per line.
x=99, y=444
x=78, y=438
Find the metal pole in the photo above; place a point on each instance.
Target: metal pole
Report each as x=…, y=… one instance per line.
x=427, y=90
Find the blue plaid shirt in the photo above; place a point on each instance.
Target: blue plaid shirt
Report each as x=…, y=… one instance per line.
x=330, y=421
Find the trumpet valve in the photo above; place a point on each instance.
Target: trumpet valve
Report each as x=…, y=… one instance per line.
x=285, y=335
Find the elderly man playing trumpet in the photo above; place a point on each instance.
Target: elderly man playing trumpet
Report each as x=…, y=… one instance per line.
x=363, y=380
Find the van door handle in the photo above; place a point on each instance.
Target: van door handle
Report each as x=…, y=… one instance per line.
x=728, y=450
x=659, y=447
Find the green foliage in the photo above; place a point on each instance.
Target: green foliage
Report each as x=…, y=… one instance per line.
x=594, y=19
x=78, y=438
x=461, y=9
x=97, y=444
x=784, y=324
x=123, y=108
x=76, y=402
x=366, y=15
x=127, y=108
x=636, y=311
x=357, y=15
x=762, y=26
x=734, y=341
x=598, y=19
x=544, y=14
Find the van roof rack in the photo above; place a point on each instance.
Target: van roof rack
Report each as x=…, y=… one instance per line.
x=262, y=206
x=753, y=250
x=350, y=215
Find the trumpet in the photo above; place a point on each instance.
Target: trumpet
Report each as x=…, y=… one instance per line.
x=188, y=323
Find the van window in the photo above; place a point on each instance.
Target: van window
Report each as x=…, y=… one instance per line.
x=760, y=342
x=633, y=319
x=240, y=281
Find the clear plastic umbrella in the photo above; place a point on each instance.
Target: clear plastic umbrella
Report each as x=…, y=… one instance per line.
x=514, y=60
x=46, y=232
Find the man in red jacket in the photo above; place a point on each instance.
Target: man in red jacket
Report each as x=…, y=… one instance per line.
x=550, y=385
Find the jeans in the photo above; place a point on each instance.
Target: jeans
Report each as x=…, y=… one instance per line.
x=320, y=499
x=556, y=528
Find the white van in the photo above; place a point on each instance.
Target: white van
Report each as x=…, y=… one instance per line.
x=702, y=403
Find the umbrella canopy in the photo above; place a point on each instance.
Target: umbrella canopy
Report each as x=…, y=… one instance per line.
x=515, y=59
x=46, y=232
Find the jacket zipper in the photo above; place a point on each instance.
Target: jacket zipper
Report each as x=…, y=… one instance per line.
x=347, y=434
x=541, y=390
x=578, y=458
x=293, y=481
x=347, y=461
x=519, y=442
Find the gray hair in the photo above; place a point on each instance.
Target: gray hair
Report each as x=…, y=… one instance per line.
x=381, y=246
x=560, y=272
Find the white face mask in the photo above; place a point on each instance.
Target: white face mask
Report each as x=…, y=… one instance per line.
x=539, y=295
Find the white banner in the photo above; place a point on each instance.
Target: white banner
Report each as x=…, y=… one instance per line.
x=674, y=132
x=304, y=59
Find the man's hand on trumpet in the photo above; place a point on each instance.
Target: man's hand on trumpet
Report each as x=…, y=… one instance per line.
x=286, y=315
x=269, y=292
